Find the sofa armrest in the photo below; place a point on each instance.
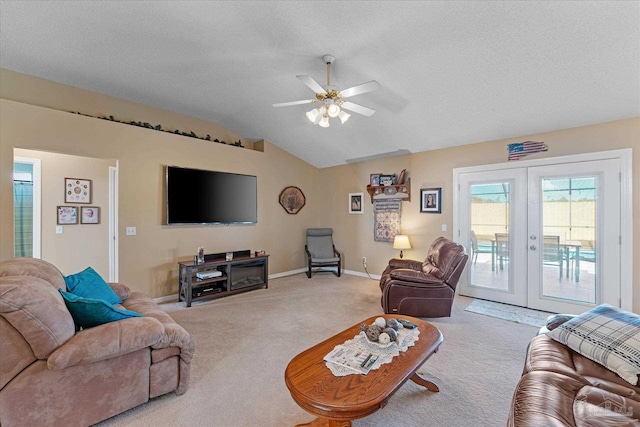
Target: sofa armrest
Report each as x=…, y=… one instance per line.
x=176, y=336
x=106, y=342
x=556, y=320
x=409, y=275
x=406, y=264
x=121, y=290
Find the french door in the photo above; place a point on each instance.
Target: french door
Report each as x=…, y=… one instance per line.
x=543, y=236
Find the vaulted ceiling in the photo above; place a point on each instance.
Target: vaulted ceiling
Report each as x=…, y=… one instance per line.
x=451, y=72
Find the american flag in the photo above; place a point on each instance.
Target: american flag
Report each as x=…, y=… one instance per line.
x=520, y=149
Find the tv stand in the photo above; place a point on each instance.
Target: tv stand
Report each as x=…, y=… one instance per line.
x=241, y=274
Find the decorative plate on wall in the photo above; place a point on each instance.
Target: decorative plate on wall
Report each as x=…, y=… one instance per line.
x=292, y=200
x=77, y=190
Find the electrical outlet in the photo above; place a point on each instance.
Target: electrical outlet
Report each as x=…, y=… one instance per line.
x=364, y=260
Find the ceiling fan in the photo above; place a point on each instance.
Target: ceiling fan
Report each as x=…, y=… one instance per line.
x=332, y=99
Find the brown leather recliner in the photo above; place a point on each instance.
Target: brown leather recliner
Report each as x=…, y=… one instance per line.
x=424, y=289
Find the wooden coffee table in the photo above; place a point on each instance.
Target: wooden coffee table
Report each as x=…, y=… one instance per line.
x=338, y=400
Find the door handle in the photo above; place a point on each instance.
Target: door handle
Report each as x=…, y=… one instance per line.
x=532, y=237
x=533, y=247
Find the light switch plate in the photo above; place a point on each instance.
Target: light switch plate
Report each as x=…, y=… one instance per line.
x=444, y=227
x=59, y=229
x=131, y=231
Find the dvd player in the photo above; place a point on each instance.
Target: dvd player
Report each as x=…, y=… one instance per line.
x=208, y=274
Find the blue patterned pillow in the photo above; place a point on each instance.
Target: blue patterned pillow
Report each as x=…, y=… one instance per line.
x=89, y=284
x=90, y=312
x=607, y=335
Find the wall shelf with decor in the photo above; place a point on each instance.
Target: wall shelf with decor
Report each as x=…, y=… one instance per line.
x=393, y=191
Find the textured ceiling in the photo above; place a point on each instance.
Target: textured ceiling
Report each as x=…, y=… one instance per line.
x=452, y=73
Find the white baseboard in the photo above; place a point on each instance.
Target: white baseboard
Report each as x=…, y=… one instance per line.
x=287, y=273
x=361, y=274
x=166, y=299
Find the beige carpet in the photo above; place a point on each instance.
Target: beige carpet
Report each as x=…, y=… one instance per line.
x=244, y=343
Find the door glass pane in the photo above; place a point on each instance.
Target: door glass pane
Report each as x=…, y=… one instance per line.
x=569, y=242
x=489, y=240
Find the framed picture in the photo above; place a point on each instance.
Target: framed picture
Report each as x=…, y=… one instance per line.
x=89, y=215
x=77, y=190
x=431, y=200
x=374, y=179
x=67, y=215
x=386, y=179
x=356, y=205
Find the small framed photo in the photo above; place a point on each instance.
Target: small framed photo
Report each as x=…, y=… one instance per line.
x=431, y=200
x=386, y=179
x=77, y=190
x=356, y=205
x=67, y=215
x=89, y=215
x=374, y=179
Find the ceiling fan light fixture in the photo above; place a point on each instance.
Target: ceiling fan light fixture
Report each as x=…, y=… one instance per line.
x=313, y=115
x=324, y=122
x=333, y=110
x=343, y=116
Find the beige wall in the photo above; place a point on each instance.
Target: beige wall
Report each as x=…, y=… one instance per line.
x=80, y=245
x=354, y=233
x=148, y=260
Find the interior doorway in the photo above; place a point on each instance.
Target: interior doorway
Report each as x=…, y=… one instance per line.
x=71, y=246
x=26, y=207
x=546, y=234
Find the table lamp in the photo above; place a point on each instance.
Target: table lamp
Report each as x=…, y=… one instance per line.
x=401, y=242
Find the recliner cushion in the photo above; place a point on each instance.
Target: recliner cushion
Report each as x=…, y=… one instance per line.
x=89, y=284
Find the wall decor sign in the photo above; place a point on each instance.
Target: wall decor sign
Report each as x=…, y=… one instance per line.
x=356, y=205
x=387, y=216
x=431, y=200
x=89, y=215
x=518, y=150
x=292, y=200
x=77, y=190
x=67, y=215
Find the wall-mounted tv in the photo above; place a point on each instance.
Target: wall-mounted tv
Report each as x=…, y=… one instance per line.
x=196, y=196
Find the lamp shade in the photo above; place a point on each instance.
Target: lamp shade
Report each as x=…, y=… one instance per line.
x=333, y=110
x=313, y=115
x=343, y=116
x=401, y=242
x=324, y=122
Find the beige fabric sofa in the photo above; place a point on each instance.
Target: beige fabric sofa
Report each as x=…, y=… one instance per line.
x=52, y=375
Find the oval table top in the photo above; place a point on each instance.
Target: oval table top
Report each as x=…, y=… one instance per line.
x=318, y=391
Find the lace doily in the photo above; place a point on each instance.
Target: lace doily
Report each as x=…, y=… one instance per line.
x=385, y=352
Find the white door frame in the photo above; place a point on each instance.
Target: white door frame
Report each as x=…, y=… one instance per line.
x=113, y=223
x=37, y=202
x=626, y=205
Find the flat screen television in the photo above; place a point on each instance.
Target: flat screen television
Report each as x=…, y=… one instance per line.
x=196, y=196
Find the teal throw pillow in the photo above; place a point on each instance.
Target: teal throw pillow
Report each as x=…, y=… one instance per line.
x=89, y=284
x=90, y=312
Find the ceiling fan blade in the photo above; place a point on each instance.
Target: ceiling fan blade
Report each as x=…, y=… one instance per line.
x=312, y=84
x=288, y=104
x=363, y=88
x=358, y=108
